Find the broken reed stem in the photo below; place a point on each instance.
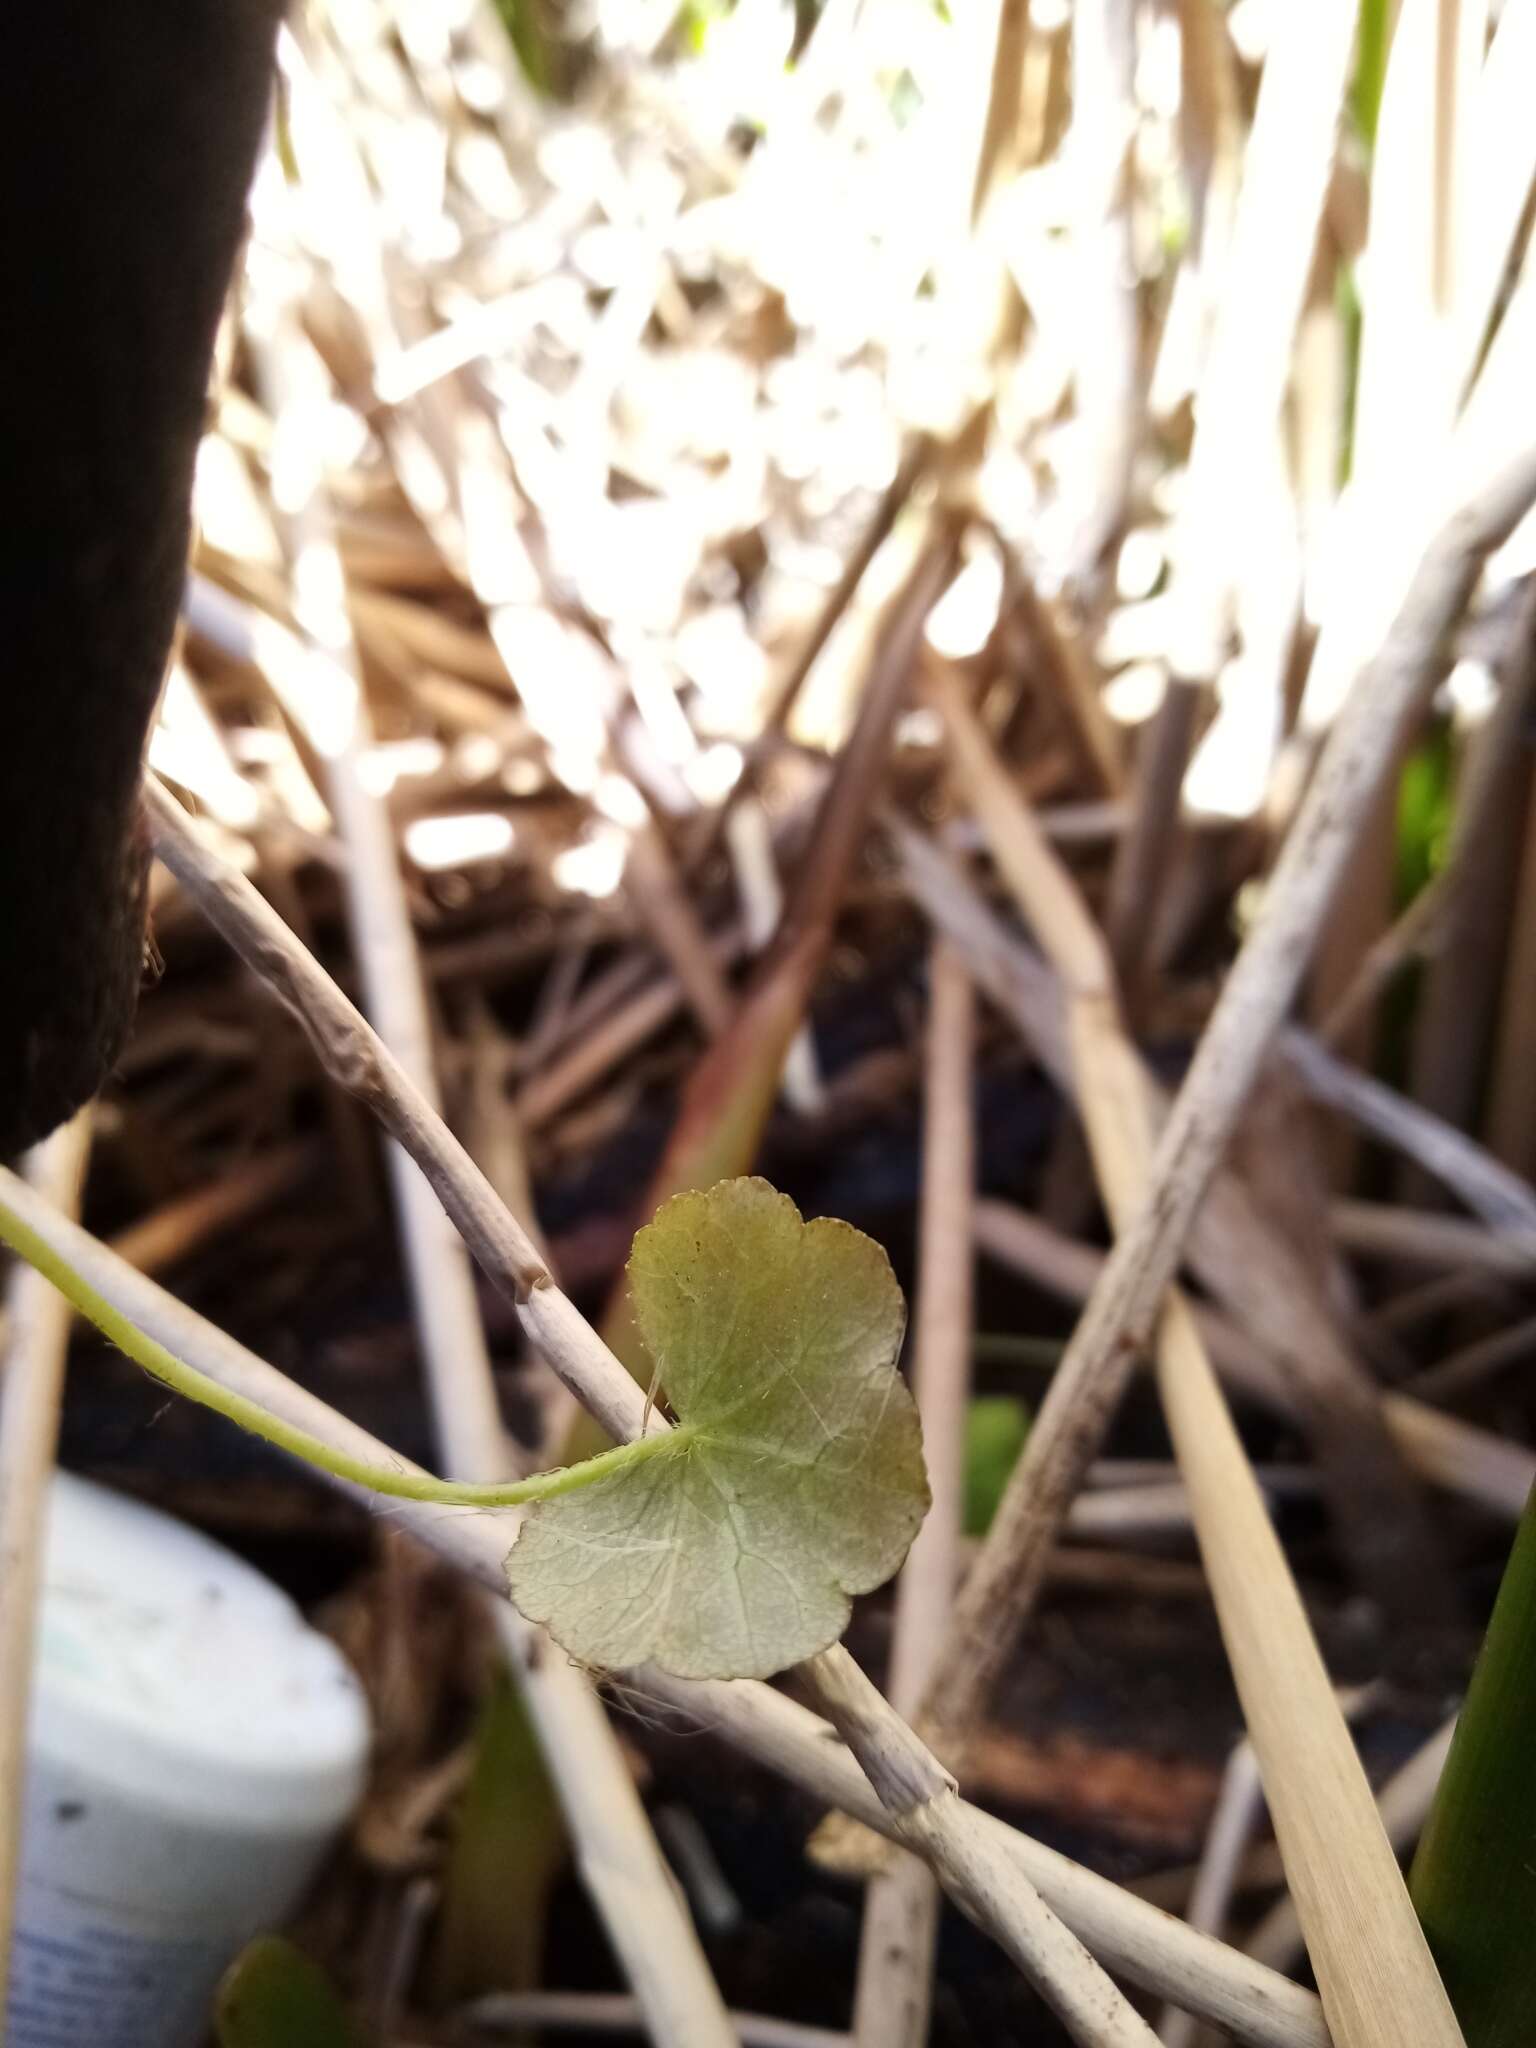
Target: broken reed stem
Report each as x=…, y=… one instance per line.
x=1378, y=1983
x=924, y=1805
x=901, y=1902
x=351, y=1051
x=1498, y=1476
x=1489, y=1188
x=31, y=1391
x=1121, y=1313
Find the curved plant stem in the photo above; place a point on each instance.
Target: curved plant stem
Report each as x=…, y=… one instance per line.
x=186, y=1380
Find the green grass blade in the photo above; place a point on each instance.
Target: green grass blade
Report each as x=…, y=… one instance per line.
x=1474, y=1878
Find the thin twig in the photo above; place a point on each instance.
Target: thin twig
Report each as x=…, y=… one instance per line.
x=901, y=1903
x=1421, y=1237
x=1409, y=936
x=358, y=1060
x=1475, y=1363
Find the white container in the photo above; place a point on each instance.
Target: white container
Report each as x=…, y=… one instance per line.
x=194, y=1748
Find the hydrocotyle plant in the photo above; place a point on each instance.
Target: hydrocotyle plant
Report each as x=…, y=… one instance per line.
x=732, y=1544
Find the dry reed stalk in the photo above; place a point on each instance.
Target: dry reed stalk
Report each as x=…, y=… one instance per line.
x=1450, y=175
x=31, y=1391
x=187, y=1223
x=728, y=1095
x=1107, y=369
x=1286, y=168
x=1403, y=1804
x=518, y=2013
x=901, y=1902
x=1377, y=1979
x=1266, y=1282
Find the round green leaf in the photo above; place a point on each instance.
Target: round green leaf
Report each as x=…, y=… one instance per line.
x=797, y=1479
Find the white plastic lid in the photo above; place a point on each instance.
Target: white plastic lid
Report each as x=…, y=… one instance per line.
x=174, y=1671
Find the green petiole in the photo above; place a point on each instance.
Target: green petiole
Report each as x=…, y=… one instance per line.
x=186, y=1380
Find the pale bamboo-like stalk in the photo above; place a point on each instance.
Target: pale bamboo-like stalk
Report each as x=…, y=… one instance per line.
x=1377, y=1979
x=355, y=1055
x=31, y=1392
x=1124, y=1306
x=1254, y=2005
x=901, y=1902
x=1404, y=1807
x=616, y=1849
